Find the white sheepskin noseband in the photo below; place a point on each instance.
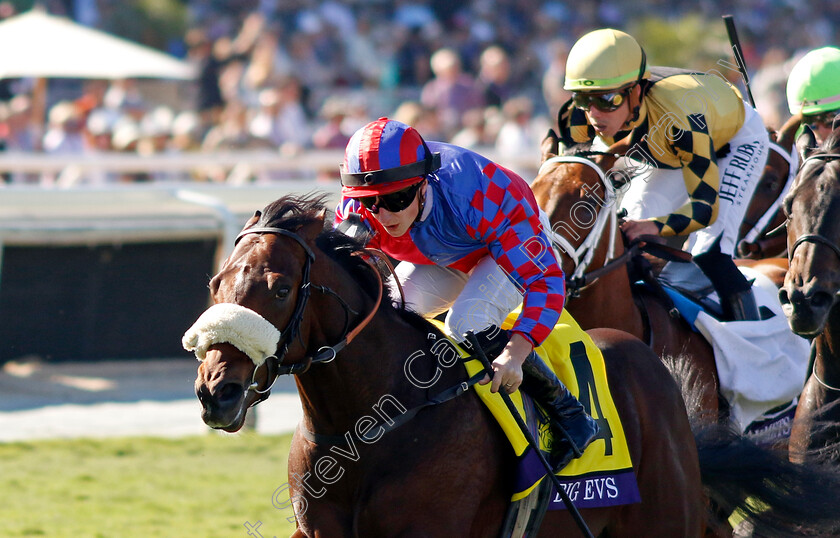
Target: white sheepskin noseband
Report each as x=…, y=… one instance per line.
x=236, y=325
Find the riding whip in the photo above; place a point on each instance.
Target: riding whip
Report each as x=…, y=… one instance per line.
x=739, y=56
x=530, y=438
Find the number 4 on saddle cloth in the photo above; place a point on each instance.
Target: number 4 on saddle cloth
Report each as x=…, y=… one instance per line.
x=603, y=475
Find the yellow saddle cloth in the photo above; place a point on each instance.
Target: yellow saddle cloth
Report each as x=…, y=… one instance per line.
x=604, y=475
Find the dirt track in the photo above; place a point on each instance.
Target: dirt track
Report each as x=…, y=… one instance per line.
x=117, y=398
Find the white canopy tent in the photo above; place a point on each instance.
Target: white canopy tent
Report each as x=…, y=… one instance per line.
x=38, y=45
x=41, y=46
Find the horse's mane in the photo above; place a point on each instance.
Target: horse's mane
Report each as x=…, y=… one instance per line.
x=830, y=145
x=578, y=149
x=293, y=212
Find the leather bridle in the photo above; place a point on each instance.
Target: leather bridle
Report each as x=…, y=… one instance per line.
x=274, y=363
x=582, y=254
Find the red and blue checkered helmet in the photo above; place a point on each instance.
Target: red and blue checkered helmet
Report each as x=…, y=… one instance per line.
x=385, y=156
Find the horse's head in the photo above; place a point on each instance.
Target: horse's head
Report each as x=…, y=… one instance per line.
x=257, y=321
x=574, y=188
x=753, y=241
x=813, y=206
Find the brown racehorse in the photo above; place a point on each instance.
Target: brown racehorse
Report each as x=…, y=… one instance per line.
x=444, y=471
x=571, y=191
x=764, y=213
x=810, y=293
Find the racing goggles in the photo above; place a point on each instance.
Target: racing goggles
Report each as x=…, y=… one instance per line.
x=826, y=119
x=605, y=102
x=394, y=202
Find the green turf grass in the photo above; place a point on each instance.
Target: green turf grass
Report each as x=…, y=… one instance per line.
x=203, y=486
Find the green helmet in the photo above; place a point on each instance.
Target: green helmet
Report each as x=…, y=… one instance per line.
x=813, y=86
x=604, y=60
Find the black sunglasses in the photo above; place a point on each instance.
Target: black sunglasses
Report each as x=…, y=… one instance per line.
x=825, y=119
x=394, y=202
x=605, y=102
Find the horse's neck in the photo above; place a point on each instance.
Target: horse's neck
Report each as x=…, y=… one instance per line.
x=368, y=378
x=608, y=302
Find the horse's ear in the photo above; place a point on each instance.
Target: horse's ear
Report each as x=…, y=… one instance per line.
x=313, y=229
x=806, y=142
x=788, y=131
x=549, y=146
x=253, y=220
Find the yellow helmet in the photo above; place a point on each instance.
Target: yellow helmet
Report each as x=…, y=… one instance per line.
x=605, y=60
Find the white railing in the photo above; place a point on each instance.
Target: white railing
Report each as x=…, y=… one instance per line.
x=308, y=162
x=79, y=212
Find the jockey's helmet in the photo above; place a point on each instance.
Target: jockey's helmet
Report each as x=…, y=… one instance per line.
x=813, y=86
x=385, y=156
x=605, y=60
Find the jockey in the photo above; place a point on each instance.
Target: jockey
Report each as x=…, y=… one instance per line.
x=468, y=235
x=697, y=151
x=813, y=90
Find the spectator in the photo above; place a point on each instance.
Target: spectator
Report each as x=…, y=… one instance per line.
x=282, y=119
x=418, y=116
x=330, y=134
x=494, y=76
x=520, y=134
x=555, y=75
x=473, y=134
x=451, y=91
x=64, y=132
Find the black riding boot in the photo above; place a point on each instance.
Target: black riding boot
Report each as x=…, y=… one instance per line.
x=734, y=290
x=573, y=428
x=740, y=306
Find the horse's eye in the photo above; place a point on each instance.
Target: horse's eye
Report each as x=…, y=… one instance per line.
x=283, y=292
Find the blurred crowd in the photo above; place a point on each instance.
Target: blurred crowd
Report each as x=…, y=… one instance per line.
x=295, y=75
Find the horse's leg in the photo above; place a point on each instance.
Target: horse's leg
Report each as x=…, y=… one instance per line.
x=660, y=439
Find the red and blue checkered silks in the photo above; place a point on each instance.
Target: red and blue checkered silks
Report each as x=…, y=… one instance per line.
x=473, y=208
x=380, y=145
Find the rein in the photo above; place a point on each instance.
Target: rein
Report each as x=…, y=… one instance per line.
x=582, y=255
x=325, y=354
x=328, y=353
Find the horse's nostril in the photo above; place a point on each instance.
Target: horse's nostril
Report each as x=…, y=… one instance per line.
x=203, y=394
x=783, y=296
x=229, y=393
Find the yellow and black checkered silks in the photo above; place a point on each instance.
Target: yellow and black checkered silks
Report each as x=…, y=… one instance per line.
x=684, y=119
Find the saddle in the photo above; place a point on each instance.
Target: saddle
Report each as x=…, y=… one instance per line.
x=761, y=364
x=578, y=363
x=680, y=301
